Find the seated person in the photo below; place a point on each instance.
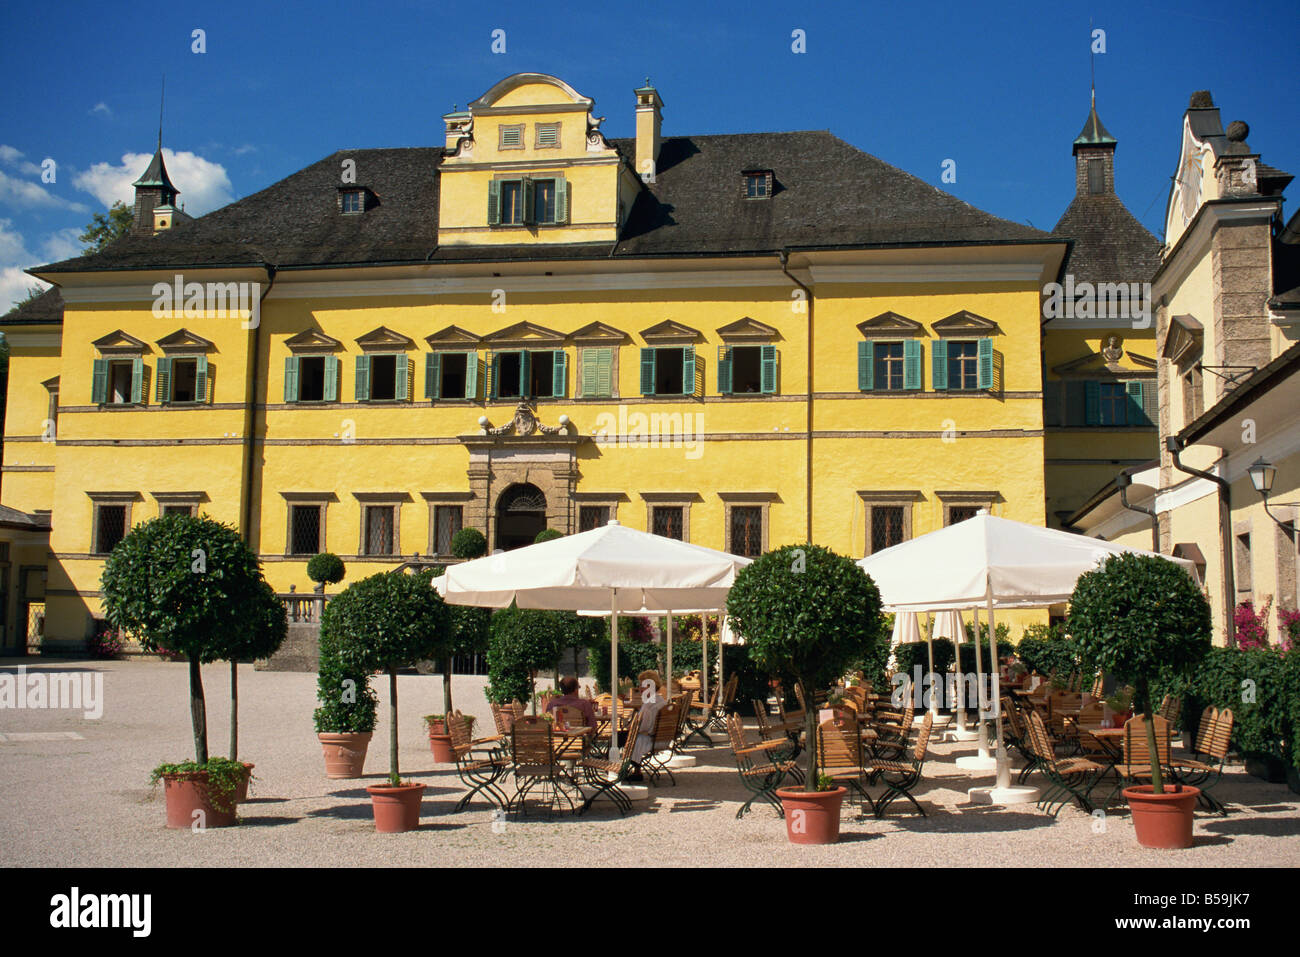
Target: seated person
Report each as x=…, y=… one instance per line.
x=651, y=704
x=569, y=698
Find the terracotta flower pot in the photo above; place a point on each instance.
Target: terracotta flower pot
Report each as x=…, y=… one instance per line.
x=241, y=790
x=396, y=809
x=812, y=817
x=440, y=745
x=1163, y=820
x=345, y=752
x=191, y=801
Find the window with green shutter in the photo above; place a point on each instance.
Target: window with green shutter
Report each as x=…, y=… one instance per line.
x=985, y=375
x=649, y=361
x=559, y=373
x=163, y=381
x=939, y=365
x=866, y=365
x=291, y=378
x=311, y=379
x=362, y=379
x=544, y=201
x=1092, y=403
x=330, y=383
x=137, y=380
x=911, y=364
x=494, y=203
x=724, y=370
x=99, y=381
x=597, y=371
x=432, y=375
x=668, y=370
x=1140, y=404
x=747, y=370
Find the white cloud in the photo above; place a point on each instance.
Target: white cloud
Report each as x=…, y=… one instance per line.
x=14, y=257
x=204, y=185
x=62, y=244
x=101, y=108
x=28, y=195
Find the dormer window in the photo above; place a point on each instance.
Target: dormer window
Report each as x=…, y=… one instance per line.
x=355, y=199
x=528, y=202
x=757, y=184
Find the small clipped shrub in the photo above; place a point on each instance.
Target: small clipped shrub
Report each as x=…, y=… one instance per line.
x=806, y=613
x=326, y=569
x=468, y=543
x=347, y=702
x=546, y=534
x=1144, y=620
x=522, y=642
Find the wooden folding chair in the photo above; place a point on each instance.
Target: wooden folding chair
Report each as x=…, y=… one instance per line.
x=900, y=777
x=840, y=756
x=480, y=762
x=1205, y=768
x=604, y=776
x=760, y=772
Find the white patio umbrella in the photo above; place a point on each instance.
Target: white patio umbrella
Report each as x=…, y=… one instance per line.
x=947, y=624
x=995, y=563
x=612, y=566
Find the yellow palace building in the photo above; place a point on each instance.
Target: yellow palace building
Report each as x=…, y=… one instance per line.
x=739, y=340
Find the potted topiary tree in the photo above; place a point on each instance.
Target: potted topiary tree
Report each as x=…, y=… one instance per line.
x=268, y=626
x=1143, y=620
x=393, y=620
x=808, y=613
x=345, y=717
x=192, y=586
x=326, y=568
x=468, y=543
x=523, y=642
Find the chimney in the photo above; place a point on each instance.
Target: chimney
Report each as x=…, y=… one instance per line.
x=649, y=118
x=153, y=190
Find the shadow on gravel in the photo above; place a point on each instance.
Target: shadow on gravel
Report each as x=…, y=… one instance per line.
x=347, y=812
x=700, y=805
x=968, y=819
x=1269, y=827
x=265, y=801
x=267, y=821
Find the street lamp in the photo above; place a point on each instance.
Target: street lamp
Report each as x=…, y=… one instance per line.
x=1262, y=475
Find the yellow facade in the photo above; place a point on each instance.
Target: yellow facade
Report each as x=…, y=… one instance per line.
x=813, y=457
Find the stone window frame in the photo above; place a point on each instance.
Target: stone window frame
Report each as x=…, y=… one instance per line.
x=731, y=500
x=305, y=500
x=1286, y=549
x=369, y=500
x=434, y=500
x=113, y=499
x=537, y=135
x=682, y=500
x=967, y=499
x=904, y=499
x=609, y=500
x=501, y=136
x=190, y=500
x=1243, y=560
x=52, y=409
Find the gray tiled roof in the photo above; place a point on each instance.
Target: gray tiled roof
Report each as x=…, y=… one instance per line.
x=45, y=309
x=826, y=193
x=1110, y=245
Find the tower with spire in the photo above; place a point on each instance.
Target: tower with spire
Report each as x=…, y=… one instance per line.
x=155, y=196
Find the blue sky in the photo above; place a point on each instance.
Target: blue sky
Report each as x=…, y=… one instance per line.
x=1001, y=88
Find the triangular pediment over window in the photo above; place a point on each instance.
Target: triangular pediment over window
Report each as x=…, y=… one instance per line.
x=384, y=339
x=965, y=323
x=118, y=341
x=670, y=330
x=891, y=324
x=748, y=330
x=453, y=337
x=182, y=340
x=1184, y=338
x=599, y=333
x=525, y=333
x=312, y=340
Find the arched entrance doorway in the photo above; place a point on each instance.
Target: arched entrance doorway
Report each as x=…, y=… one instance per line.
x=521, y=515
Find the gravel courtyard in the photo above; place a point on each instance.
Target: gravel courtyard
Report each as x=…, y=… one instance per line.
x=74, y=792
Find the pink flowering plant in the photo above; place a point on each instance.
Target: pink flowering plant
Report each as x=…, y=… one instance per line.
x=1252, y=626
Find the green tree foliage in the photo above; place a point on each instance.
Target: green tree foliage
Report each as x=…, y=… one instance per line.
x=468, y=543
x=347, y=702
x=326, y=568
x=189, y=585
x=107, y=228
x=1141, y=619
x=468, y=633
x=523, y=642
x=389, y=621
x=546, y=534
x=808, y=613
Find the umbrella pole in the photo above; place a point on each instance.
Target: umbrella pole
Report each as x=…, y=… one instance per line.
x=1004, y=769
x=613, y=674
x=929, y=647
x=722, y=685
x=959, y=685
x=979, y=688
x=668, y=679
x=704, y=675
